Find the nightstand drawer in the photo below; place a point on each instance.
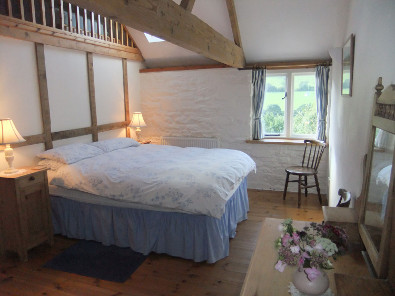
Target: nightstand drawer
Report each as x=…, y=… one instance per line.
x=30, y=179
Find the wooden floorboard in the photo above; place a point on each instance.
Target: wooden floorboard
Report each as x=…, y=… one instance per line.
x=159, y=275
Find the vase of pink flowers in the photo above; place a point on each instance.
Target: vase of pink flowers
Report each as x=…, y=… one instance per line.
x=310, y=249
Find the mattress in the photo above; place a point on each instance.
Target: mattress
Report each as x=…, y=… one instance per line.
x=188, y=180
x=89, y=198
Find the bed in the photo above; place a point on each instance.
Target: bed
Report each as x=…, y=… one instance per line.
x=185, y=202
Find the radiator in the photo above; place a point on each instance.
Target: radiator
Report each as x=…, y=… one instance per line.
x=190, y=142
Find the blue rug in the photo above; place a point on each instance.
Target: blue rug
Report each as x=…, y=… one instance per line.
x=92, y=259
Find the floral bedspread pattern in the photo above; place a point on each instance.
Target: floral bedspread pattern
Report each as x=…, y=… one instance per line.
x=194, y=180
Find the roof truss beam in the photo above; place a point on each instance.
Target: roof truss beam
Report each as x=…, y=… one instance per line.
x=233, y=21
x=167, y=20
x=187, y=4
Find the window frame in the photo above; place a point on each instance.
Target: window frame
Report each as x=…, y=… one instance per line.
x=289, y=102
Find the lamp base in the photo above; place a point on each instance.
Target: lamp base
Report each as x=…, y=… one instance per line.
x=12, y=172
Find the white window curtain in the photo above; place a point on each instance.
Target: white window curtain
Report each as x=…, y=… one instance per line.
x=321, y=80
x=258, y=97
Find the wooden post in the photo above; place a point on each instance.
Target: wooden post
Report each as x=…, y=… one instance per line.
x=9, y=8
x=78, y=19
x=85, y=23
x=121, y=34
x=70, y=18
x=105, y=29
x=92, y=24
x=99, y=32
x=61, y=14
x=33, y=8
x=92, y=97
x=22, y=9
x=44, y=98
x=53, y=14
x=111, y=31
x=126, y=94
x=43, y=13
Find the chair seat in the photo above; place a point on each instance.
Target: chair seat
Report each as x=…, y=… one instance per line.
x=299, y=170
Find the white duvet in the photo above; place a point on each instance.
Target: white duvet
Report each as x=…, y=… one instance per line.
x=194, y=180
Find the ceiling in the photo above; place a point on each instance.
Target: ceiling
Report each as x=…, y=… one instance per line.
x=271, y=30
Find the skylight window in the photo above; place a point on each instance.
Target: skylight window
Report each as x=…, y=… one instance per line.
x=152, y=39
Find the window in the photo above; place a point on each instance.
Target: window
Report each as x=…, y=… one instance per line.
x=152, y=39
x=290, y=108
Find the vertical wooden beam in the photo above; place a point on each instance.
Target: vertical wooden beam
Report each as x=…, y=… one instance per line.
x=233, y=21
x=9, y=8
x=44, y=98
x=92, y=96
x=126, y=93
x=43, y=13
x=33, y=8
x=187, y=4
x=53, y=13
x=22, y=9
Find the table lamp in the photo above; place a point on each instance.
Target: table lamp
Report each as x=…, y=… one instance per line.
x=9, y=135
x=137, y=122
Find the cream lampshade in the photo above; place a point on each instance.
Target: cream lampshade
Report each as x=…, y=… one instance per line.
x=137, y=122
x=9, y=135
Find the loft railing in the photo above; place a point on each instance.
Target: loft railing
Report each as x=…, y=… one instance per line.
x=67, y=17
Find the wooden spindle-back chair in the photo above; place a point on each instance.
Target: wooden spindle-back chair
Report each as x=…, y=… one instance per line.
x=312, y=155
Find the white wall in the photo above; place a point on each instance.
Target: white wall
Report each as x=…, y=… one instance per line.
x=67, y=90
x=19, y=95
x=373, y=24
x=215, y=103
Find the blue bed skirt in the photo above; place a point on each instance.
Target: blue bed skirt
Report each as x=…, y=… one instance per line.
x=196, y=237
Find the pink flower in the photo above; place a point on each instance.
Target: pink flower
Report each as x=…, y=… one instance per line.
x=302, y=258
x=312, y=273
x=295, y=237
x=280, y=266
x=305, y=255
x=285, y=239
x=301, y=261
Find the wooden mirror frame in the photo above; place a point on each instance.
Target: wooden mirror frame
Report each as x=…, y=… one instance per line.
x=383, y=118
x=348, y=60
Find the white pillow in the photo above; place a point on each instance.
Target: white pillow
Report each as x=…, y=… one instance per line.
x=114, y=144
x=71, y=153
x=53, y=165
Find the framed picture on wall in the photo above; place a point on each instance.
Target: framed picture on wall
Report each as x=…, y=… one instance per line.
x=348, y=65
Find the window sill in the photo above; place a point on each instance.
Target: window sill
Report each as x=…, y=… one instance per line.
x=277, y=141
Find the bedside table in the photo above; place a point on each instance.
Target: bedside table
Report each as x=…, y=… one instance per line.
x=25, y=219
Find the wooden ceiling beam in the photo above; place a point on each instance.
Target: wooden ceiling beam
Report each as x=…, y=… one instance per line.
x=167, y=20
x=187, y=4
x=233, y=21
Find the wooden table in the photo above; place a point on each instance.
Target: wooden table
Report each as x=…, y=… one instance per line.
x=262, y=279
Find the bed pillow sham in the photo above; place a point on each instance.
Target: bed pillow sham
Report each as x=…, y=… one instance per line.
x=71, y=153
x=114, y=144
x=52, y=165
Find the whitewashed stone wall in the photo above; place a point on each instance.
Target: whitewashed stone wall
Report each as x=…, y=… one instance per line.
x=216, y=103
